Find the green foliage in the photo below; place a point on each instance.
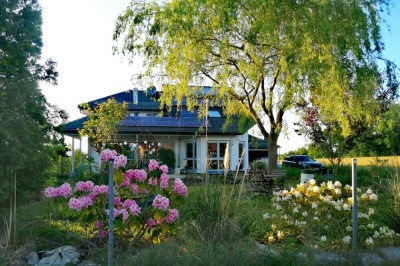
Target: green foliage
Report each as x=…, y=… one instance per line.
x=258, y=166
x=211, y=216
x=263, y=58
x=26, y=119
x=236, y=253
x=101, y=126
x=303, y=211
x=167, y=156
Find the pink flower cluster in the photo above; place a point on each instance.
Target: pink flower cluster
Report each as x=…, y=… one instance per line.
x=180, y=188
x=161, y=203
x=164, y=181
x=103, y=189
x=172, y=216
x=62, y=191
x=107, y=155
x=84, y=186
x=150, y=223
x=138, y=175
x=132, y=206
x=79, y=203
x=153, y=165
x=137, y=184
x=163, y=168
x=120, y=161
x=153, y=181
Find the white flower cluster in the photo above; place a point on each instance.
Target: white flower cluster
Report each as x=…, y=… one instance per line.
x=324, y=210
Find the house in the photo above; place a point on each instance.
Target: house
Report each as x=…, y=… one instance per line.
x=199, y=143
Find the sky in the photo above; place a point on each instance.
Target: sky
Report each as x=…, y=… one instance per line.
x=77, y=34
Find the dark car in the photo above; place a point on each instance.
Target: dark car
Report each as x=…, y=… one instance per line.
x=302, y=161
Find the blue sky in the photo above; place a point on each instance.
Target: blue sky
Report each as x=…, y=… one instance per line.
x=77, y=34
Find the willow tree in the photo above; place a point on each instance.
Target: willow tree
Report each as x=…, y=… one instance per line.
x=262, y=57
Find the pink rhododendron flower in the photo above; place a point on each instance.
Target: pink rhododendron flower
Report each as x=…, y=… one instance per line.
x=125, y=214
x=51, y=192
x=98, y=224
x=65, y=190
x=120, y=161
x=103, y=189
x=86, y=201
x=164, y=168
x=161, y=203
x=150, y=223
x=117, y=201
x=107, y=154
x=139, y=175
x=135, y=189
x=172, y=216
x=164, y=181
x=84, y=186
x=153, y=181
x=132, y=206
x=75, y=204
x=103, y=233
x=180, y=188
x=153, y=165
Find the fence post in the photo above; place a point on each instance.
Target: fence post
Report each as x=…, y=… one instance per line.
x=354, y=195
x=110, y=212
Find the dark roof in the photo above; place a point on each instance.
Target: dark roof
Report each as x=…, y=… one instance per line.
x=145, y=100
x=182, y=122
x=256, y=143
x=164, y=125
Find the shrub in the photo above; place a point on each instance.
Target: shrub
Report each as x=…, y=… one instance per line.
x=259, y=166
x=322, y=215
x=167, y=156
x=144, y=204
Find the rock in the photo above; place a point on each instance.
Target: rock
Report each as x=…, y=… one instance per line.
x=267, y=250
x=32, y=258
x=369, y=259
x=390, y=254
x=59, y=256
x=325, y=257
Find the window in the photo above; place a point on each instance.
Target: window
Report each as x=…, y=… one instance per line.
x=216, y=153
x=213, y=113
x=241, y=155
x=190, y=156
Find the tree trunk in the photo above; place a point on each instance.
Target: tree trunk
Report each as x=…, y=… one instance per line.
x=272, y=151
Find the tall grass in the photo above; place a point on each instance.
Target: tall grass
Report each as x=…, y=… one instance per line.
x=390, y=202
x=210, y=216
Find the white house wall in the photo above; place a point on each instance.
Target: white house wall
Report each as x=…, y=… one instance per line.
x=179, y=144
x=233, y=150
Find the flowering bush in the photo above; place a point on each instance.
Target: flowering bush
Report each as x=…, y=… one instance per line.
x=322, y=215
x=144, y=204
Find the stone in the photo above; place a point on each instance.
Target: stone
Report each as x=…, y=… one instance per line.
x=390, y=254
x=370, y=259
x=59, y=257
x=32, y=258
x=326, y=257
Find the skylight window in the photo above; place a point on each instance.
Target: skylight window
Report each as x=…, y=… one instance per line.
x=214, y=113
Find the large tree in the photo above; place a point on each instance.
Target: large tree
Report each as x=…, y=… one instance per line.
x=25, y=116
x=262, y=57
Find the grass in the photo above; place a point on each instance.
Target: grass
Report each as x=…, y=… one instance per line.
x=219, y=225
x=368, y=161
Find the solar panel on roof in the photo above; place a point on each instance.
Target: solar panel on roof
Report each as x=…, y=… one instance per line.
x=186, y=113
x=162, y=122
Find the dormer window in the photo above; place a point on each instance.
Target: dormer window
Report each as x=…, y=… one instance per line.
x=214, y=113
